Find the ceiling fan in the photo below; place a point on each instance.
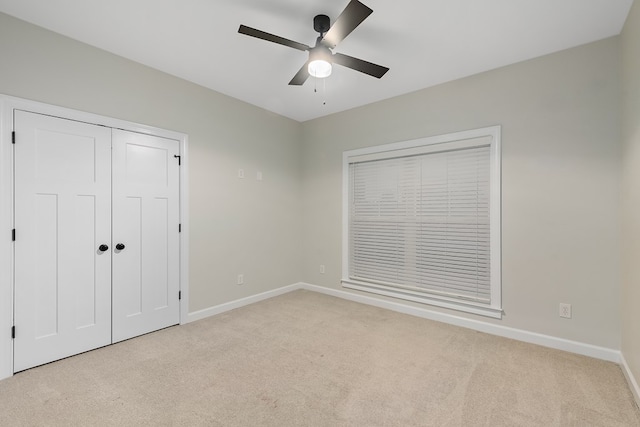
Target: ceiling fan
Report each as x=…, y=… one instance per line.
x=321, y=57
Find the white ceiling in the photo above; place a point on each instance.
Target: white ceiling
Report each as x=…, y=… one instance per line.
x=423, y=42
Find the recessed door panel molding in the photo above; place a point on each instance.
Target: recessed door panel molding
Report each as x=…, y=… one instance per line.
x=158, y=232
x=130, y=287
x=146, y=215
x=52, y=162
x=146, y=165
x=62, y=284
x=83, y=267
x=45, y=277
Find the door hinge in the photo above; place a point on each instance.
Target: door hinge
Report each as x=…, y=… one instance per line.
x=179, y=295
x=179, y=228
x=179, y=159
x=13, y=235
x=13, y=137
x=13, y=332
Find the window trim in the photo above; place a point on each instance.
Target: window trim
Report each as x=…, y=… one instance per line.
x=428, y=144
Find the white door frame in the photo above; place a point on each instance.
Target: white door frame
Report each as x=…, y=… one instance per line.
x=7, y=105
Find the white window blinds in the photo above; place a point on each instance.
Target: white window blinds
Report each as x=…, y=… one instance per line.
x=419, y=220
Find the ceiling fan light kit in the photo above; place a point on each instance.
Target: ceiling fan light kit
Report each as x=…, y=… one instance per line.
x=321, y=58
x=320, y=62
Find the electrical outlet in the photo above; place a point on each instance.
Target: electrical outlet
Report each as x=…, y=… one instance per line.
x=241, y=173
x=565, y=310
x=259, y=176
x=322, y=269
x=240, y=280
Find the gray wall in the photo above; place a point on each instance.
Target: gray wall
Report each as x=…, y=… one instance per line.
x=560, y=180
x=630, y=42
x=237, y=226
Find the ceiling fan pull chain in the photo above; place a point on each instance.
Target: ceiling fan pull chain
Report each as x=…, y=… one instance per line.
x=324, y=91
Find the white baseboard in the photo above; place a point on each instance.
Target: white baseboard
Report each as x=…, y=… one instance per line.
x=597, y=352
x=221, y=308
x=590, y=350
x=631, y=379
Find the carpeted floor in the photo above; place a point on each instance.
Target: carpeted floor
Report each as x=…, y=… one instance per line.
x=307, y=359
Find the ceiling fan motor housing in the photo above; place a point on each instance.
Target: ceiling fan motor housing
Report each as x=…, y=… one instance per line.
x=321, y=23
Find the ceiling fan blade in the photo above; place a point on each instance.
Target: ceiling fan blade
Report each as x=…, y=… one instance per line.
x=271, y=38
x=349, y=19
x=301, y=76
x=359, y=65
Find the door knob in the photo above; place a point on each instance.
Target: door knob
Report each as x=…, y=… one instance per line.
x=119, y=246
x=103, y=248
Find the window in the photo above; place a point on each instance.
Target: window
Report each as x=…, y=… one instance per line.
x=422, y=220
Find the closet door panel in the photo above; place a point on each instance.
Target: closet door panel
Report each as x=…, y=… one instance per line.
x=62, y=215
x=145, y=221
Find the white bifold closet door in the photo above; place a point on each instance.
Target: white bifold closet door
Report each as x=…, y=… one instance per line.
x=62, y=216
x=145, y=222
x=82, y=190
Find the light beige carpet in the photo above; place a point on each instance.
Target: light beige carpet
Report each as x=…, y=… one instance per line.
x=307, y=359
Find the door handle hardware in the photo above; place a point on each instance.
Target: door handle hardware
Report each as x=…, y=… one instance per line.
x=120, y=246
x=103, y=248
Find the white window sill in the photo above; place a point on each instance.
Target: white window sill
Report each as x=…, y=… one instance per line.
x=424, y=298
